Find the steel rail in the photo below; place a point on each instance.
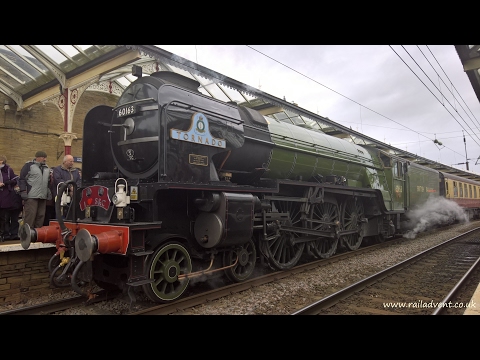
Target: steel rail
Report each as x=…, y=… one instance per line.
x=314, y=308
x=441, y=309
x=60, y=305
x=202, y=298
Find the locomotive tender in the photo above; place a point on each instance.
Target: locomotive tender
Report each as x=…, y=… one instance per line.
x=177, y=186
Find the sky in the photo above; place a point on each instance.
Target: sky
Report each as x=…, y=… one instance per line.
x=404, y=95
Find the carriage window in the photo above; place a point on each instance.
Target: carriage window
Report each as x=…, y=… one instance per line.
x=446, y=188
x=474, y=192
x=470, y=193
x=466, y=192
x=460, y=185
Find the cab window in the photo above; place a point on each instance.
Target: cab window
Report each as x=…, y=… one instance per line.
x=385, y=160
x=397, y=169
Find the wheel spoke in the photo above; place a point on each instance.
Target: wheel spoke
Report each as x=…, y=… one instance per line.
x=164, y=267
x=247, y=256
x=352, y=213
x=282, y=253
x=327, y=212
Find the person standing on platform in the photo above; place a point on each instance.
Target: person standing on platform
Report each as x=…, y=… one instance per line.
x=34, y=189
x=14, y=214
x=63, y=173
x=50, y=208
x=8, y=181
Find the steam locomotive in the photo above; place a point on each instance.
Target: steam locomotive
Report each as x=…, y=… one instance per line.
x=179, y=186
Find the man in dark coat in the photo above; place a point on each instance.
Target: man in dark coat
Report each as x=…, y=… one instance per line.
x=8, y=181
x=63, y=173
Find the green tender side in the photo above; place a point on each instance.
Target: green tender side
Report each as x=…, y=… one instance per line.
x=423, y=182
x=303, y=153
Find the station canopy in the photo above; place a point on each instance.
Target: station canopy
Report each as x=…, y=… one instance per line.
x=32, y=73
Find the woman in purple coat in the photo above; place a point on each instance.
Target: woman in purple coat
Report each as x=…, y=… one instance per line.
x=9, y=204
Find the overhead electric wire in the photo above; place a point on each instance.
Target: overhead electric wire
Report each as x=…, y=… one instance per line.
x=451, y=82
x=454, y=98
x=414, y=142
x=392, y=128
x=431, y=90
x=346, y=96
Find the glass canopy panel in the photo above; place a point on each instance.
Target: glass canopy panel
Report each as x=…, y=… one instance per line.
x=232, y=94
x=111, y=76
x=95, y=51
x=20, y=71
x=9, y=59
x=297, y=120
x=182, y=72
x=247, y=97
x=28, y=59
x=203, y=91
x=281, y=116
x=130, y=77
x=51, y=53
x=122, y=80
x=216, y=92
x=69, y=50
x=313, y=124
x=16, y=76
x=73, y=54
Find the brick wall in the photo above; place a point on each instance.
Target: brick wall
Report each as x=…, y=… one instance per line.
x=24, y=275
x=38, y=127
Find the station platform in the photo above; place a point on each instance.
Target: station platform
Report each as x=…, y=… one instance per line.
x=14, y=245
x=475, y=301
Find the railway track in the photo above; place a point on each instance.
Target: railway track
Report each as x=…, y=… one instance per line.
x=200, y=294
x=62, y=305
x=182, y=305
x=428, y=283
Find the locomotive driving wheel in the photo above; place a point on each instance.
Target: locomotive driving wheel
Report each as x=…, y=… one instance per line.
x=163, y=267
x=247, y=257
x=327, y=212
x=282, y=252
x=352, y=214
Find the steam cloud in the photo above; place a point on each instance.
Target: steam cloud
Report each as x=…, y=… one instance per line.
x=437, y=211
